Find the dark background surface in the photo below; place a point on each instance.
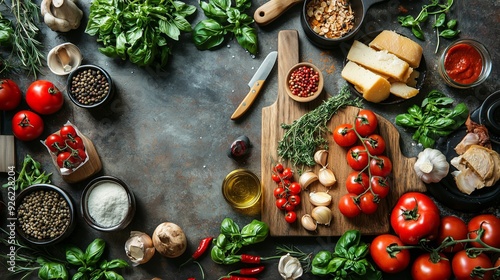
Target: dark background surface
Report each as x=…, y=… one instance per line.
x=166, y=133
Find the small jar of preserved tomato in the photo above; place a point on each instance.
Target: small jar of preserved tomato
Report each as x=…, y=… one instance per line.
x=464, y=64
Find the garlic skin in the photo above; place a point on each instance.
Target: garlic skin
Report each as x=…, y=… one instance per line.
x=322, y=214
x=431, y=166
x=307, y=178
x=290, y=267
x=308, y=223
x=326, y=177
x=320, y=198
x=139, y=248
x=321, y=157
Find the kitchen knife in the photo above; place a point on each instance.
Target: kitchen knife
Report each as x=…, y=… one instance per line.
x=256, y=84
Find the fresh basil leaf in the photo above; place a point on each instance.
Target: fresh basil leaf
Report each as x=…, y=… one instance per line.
x=440, y=20
x=213, y=12
x=243, y=5
x=75, y=256
x=423, y=16
x=417, y=32
x=94, y=251
x=53, y=271
x=449, y=33
x=407, y=21
x=79, y=276
x=247, y=38
x=451, y=24
x=255, y=232
x=169, y=28
x=217, y=255
x=182, y=24
x=335, y=264
x=222, y=4
x=121, y=48
x=182, y=9
x=132, y=35
x=111, y=275
x=113, y=264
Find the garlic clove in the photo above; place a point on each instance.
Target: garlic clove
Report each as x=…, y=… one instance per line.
x=322, y=215
x=308, y=222
x=139, y=248
x=326, y=177
x=321, y=157
x=289, y=267
x=320, y=198
x=307, y=178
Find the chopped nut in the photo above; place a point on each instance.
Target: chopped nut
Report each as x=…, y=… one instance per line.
x=331, y=19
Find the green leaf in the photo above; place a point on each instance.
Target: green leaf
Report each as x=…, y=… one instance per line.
x=213, y=12
x=449, y=33
x=254, y=232
x=121, y=48
x=222, y=4
x=109, y=51
x=113, y=264
x=170, y=29
x=243, y=5
x=247, y=38
x=132, y=35
x=182, y=24
x=407, y=21
x=208, y=34
x=451, y=24
x=75, y=256
x=111, y=275
x=94, y=251
x=52, y=270
x=440, y=20
x=417, y=32
x=423, y=16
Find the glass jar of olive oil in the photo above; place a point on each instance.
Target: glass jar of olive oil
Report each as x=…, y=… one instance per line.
x=241, y=189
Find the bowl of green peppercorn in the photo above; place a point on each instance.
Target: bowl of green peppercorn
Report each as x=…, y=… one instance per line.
x=90, y=86
x=45, y=214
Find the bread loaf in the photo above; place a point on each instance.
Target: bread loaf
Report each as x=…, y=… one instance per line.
x=381, y=62
x=373, y=87
x=401, y=46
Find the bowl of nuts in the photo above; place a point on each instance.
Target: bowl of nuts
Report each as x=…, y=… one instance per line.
x=330, y=23
x=90, y=86
x=304, y=82
x=45, y=214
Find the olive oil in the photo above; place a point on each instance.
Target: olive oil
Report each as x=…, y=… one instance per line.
x=241, y=189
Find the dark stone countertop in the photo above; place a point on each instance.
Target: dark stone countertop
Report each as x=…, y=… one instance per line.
x=166, y=133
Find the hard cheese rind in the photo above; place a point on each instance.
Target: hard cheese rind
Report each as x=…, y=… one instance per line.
x=374, y=87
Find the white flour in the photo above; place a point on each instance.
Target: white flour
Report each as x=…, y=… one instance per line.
x=108, y=204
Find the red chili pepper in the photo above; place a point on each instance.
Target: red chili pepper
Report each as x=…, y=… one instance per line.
x=248, y=271
x=250, y=259
x=202, y=248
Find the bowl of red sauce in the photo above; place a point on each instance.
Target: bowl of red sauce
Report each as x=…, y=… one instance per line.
x=464, y=64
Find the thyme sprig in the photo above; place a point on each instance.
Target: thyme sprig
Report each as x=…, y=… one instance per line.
x=306, y=134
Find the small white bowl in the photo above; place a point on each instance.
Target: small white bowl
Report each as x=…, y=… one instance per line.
x=64, y=58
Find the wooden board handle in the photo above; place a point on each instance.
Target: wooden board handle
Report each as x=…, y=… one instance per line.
x=271, y=10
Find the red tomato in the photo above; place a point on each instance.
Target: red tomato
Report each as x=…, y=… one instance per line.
x=348, y=206
x=357, y=157
x=491, y=226
x=276, y=178
x=67, y=132
x=295, y=188
x=284, y=183
x=425, y=267
x=55, y=143
x=389, y=262
x=80, y=153
x=294, y=200
x=290, y=217
x=375, y=144
x=44, y=97
x=278, y=168
x=10, y=95
x=380, y=186
x=281, y=203
x=415, y=216
x=380, y=166
x=366, y=122
x=357, y=182
x=27, y=125
x=455, y=228
x=344, y=135
x=463, y=266
x=66, y=160
x=289, y=207
x=368, y=203
x=75, y=143
x=287, y=173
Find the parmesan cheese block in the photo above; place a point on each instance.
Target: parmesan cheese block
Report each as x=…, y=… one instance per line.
x=373, y=87
x=379, y=61
x=401, y=46
x=402, y=90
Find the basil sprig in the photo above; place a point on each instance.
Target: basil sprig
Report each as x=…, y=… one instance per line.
x=434, y=118
x=224, y=19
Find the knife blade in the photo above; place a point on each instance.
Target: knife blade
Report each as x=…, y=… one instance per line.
x=256, y=84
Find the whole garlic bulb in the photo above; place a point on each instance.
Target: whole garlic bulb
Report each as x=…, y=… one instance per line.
x=431, y=165
x=289, y=267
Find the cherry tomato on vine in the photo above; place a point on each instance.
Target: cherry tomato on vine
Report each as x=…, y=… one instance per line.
x=290, y=217
x=281, y=203
x=294, y=199
x=380, y=166
x=357, y=157
x=276, y=178
x=380, y=186
x=425, y=267
x=278, y=168
x=66, y=160
x=81, y=154
x=375, y=144
x=75, y=143
x=491, y=226
x=366, y=122
x=289, y=207
x=454, y=227
x=55, y=143
x=368, y=203
x=27, y=125
x=284, y=183
x=44, y=97
x=462, y=266
x=348, y=206
x=344, y=135
x=10, y=95
x=295, y=188
x=392, y=261
x=287, y=173
x=279, y=192
x=67, y=132
x=357, y=182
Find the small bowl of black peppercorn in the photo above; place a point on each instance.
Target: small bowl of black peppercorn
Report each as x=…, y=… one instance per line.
x=45, y=214
x=90, y=86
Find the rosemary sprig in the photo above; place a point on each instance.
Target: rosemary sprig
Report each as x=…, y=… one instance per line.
x=306, y=134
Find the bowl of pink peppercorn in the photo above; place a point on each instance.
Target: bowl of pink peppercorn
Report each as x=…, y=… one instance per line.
x=304, y=82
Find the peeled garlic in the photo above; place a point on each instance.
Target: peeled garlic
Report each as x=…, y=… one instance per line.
x=320, y=198
x=321, y=157
x=307, y=178
x=308, y=222
x=139, y=247
x=322, y=215
x=289, y=267
x=326, y=177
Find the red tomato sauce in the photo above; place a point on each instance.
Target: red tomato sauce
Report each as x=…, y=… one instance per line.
x=463, y=64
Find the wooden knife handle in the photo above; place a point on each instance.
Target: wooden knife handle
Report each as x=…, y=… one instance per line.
x=248, y=100
x=271, y=10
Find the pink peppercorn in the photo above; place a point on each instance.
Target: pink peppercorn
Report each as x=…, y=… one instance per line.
x=304, y=81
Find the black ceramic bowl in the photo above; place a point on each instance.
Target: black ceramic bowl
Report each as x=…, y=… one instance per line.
x=21, y=206
x=97, y=79
x=109, y=204
x=359, y=8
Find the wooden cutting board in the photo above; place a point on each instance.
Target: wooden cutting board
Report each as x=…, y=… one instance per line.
x=286, y=110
